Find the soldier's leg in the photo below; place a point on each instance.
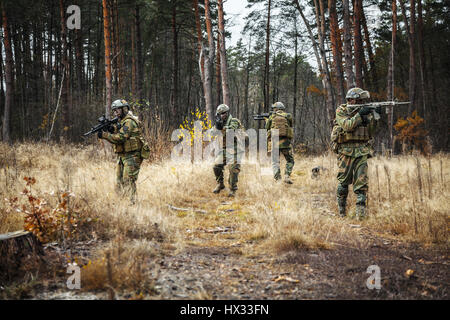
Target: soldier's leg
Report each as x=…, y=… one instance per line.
x=289, y=156
x=275, y=156
x=361, y=185
x=219, y=165
x=344, y=177
x=132, y=165
x=235, y=168
x=119, y=176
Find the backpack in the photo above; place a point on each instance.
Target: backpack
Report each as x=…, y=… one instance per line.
x=280, y=122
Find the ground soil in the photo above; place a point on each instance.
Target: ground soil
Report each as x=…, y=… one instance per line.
x=225, y=271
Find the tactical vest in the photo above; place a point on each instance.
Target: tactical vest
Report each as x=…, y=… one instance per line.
x=359, y=134
x=134, y=142
x=280, y=122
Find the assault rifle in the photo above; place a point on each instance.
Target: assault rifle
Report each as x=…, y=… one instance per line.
x=374, y=105
x=262, y=116
x=103, y=124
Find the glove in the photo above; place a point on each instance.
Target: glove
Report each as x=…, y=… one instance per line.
x=100, y=134
x=365, y=121
x=378, y=109
x=111, y=129
x=364, y=111
x=218, y=122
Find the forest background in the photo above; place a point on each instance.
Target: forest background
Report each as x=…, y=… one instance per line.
x=170, y=59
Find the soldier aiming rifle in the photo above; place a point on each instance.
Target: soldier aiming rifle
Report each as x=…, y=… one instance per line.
x=351, y=138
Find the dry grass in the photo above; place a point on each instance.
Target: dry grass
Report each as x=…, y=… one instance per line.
x=408, y=200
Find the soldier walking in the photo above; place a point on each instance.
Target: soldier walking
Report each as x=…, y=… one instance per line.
x=356, y=126
x=231, y=155
x=127, y=141
x=281, y=121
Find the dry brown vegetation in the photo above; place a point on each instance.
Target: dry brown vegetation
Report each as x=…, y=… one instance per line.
x=176, y=210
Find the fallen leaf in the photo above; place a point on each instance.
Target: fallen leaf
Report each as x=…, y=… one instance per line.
x=409, y=272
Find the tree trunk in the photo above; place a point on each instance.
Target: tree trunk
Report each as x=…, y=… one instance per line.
x=218, y=78
x=328, y=86
x=294, y=104
x=139, y=62
x=66, y=70
x=247, y=82
x=8, y=78
x=209, y=60
x=412, y=61
x=107, y=37
x=266, y=65
x=202, y=62
x=325, y=80
x=348, y=46
x=120, y=66
x=422, y=61
x=337, y=54
x=79, y=65
x=174, y=95
x=359, y=53
x=391, y=69
x=14, y=247
x=372, y=69
x=199, y=41
x=133, y=62
x=223, y=57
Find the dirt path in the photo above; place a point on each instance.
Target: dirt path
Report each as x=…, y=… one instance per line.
x=340, y=273
x=217, y=264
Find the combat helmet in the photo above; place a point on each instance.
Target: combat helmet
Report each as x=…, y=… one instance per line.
x=119, y=103
x=222, y=108
x=278, y=105
x=357, y=93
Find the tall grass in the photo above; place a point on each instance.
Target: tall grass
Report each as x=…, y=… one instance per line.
x=408, y=199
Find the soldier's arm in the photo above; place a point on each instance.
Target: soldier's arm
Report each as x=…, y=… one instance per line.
x=346, y=123
x=373, y=124
x=290, y=120
x=268, y=123
x=123, y=134
x=234, y=124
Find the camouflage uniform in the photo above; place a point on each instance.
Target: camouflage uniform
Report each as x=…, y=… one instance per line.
x=229, y=156
x=127, y=143
x=284, y=143
x=354, y=148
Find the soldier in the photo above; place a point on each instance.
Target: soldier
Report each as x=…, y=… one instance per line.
x=225, y=121
x=356, y=125
x=127, y=142
x=282, y=121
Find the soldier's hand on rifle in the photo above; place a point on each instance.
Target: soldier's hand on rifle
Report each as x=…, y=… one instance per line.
x=364, y=111
x=218, y=122
x=100, y=134
x=111, y=129
x=378, y=109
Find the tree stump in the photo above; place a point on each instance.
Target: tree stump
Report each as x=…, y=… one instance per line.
x=14, y=247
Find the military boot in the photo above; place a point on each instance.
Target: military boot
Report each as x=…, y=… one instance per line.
x=287, y=179
x=360, y=212
x=232, y=193
x=341, y=207
x=220, y=186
